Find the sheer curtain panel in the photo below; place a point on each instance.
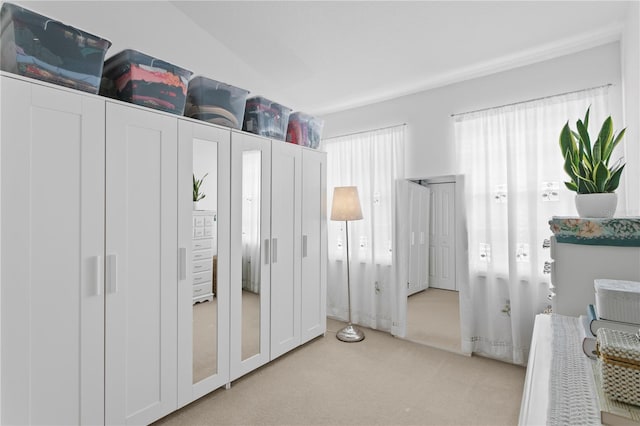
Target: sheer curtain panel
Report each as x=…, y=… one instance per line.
x=514, y=183
x=372, y=161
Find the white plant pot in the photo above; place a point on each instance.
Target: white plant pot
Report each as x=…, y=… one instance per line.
x=597, y=205
x=196, y=204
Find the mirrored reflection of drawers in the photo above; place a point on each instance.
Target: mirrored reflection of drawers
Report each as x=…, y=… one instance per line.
x=204, y=255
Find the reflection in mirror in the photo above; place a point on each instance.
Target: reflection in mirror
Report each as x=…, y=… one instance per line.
x=251, y=184
x=205, y=256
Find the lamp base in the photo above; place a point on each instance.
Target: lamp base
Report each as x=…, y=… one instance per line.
x=350, y=334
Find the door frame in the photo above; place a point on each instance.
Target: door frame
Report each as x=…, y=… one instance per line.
x=399, y=313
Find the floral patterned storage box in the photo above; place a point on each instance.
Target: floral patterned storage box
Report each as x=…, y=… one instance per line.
x=619, y=364
x=610, y=232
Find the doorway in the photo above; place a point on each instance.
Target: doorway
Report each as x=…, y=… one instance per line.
x=433, y=315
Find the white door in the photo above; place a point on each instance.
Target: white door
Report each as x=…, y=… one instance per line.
x=52, y=203
x=203, y=329
x=286, y=180
x=141, y=265
x=423, y=238
x=313, y=319
x=442, y=260
x=414, y=244
x=418, y=238
x=250, y=262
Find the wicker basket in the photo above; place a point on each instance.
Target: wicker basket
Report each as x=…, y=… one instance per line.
x=619, y=364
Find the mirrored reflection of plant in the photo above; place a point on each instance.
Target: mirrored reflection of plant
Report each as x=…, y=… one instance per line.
x=197, y=184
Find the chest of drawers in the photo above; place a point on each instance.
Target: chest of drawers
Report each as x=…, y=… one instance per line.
x=205, y=250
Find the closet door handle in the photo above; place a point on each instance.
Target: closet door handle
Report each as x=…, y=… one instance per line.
x=98, y=275
x=304, y=246
x=267, y=245
x=112, y=272
x=182, y=263
x=274, y=251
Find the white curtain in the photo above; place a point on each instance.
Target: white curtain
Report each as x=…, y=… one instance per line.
x=372, y=161
x=251, y=181
x=514, y=176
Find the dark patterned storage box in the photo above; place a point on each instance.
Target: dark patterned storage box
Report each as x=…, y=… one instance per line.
x=215, y=102
x=304, y=130
x=266, y=118
x=38, y=47
x=141, y=79
x=619, y=364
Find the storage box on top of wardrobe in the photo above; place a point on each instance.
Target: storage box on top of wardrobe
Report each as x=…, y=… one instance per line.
x=215, y=102
x=266, y=118
x=36, y=46
x=305, y=130
x=141, y=79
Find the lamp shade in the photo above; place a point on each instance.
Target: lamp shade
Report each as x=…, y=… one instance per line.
x=346, y=203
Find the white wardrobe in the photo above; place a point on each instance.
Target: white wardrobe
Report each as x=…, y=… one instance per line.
x=278, y=247
x=97, y=321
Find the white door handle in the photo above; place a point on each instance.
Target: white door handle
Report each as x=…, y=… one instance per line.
x=98, y=275
x=112, y=272
x=304, y=246
x=182, y=263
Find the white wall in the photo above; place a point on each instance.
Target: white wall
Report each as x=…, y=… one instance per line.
x=630, y=47
x=430, y=144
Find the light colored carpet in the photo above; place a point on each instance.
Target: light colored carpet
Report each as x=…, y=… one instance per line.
x=250, y=324
x=379, y=381
x=205, y=333
x=205, y=339
x=433, y=318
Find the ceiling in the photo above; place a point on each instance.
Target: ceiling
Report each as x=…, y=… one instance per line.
x=325, y=56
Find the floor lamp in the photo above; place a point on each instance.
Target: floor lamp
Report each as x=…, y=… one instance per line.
x=346, y=206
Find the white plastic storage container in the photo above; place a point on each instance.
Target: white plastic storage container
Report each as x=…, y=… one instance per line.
x=618, y=300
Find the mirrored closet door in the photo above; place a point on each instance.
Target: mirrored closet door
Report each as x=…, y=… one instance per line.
x=251, y=252
x=204, y=226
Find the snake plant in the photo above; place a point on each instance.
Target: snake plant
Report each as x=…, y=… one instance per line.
x=197, y=183
x=588, y=165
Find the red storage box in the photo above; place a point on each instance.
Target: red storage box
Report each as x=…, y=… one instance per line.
x=304, y=130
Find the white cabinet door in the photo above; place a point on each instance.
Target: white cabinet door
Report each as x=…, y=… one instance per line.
x=313, y=315
x=52, y=210
x=141, y=265
x=203, y=338
x=286, y=178
x=250, y=263
x=442, y=259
